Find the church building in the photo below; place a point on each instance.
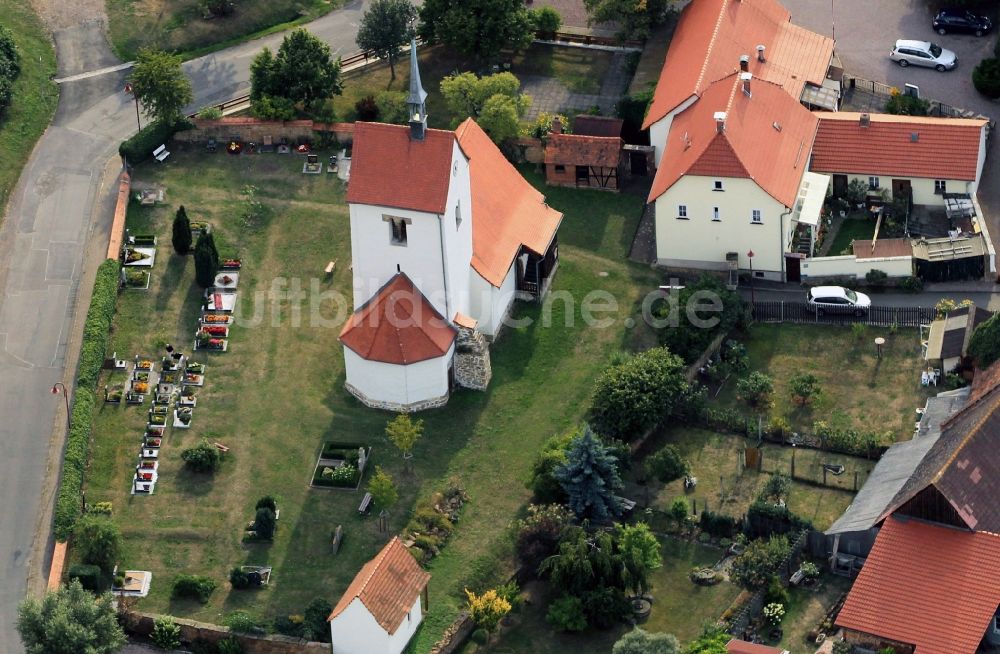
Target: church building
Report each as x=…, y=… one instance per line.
x=445, y=235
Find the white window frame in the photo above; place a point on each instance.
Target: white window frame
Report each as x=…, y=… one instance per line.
x=756, y=217
x=940, y=186
x=717, y=185
x=873, y=183
x=682, y=212
x=716, y=216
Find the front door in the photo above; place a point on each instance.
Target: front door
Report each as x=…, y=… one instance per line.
x=839, y=186
x=901, y=188
x=792, y=269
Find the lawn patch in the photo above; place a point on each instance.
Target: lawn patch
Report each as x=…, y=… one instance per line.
x=853, y=228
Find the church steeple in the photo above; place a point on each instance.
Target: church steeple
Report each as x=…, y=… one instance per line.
x=415, y=101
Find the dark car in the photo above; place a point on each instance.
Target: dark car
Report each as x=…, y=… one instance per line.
x=961, y=20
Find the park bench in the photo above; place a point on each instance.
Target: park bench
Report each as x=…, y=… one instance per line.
x=366, y=504
x=161, y=153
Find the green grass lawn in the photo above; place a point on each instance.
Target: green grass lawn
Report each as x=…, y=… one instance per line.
x=278, y=394
x=580, y=70
x=180, y=25
x=858, y=390
x=35, y=96
x=806, y=608
x=855, y=226
x=680, y=607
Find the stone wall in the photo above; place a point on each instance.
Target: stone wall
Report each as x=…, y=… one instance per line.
x=395, y=406
x=141, y=624
x=472, y=360
x=253, y=129
x=529, y=150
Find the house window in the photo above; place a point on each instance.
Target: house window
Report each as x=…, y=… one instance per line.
x=755, y=217
x=397, y=229
x=717, y=186
x=939, y=187
x=682, y=211
x=873, y=183
x=715, y=214
x=458, y=214
x=560, y=168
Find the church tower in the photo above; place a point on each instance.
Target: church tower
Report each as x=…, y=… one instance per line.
x=416, y=100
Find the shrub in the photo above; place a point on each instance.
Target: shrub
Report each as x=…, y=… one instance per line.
x=166, y=634
x=488, y=609
x=289, y=625
x=876, y=277
x=264, y=523
x=241, y=622
x=678, y=511
x=537, y=536
x=230, y=645
x=543, y=124
x=89, y=576
x=605, y=607
x=912, y=284
x=776, y=488
x=809, y=569
x=755, y=390
x=566, y=614
x=842, y=647
x=544, y=485
x=98, y=541
x=194, y=587
x=765, y=519
x=546, y=21
x=776, y=592
x=804, y=387
x=907, y=105
x=857, y=191
x=717, y=524
x=667, y=464
x=100, y=508
x=367, y=109
x=774, y=612
x=210, y=113
x=314, y=620
x=986, y=78
x=239, y=578
x=68, y=508
x=687, y=333
x=140, y=147
x=754, y=567
x=203, y=457
x=778, y=427
x=267, y=502
x=98, y=323
x=984, y=346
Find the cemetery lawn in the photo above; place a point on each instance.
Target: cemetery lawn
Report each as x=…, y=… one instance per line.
x=278, y=393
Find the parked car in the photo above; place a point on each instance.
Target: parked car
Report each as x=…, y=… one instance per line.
x=923, y=53
x=961, y=20
x=837, y=299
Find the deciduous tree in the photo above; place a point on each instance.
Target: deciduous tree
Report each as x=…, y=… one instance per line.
x=382, y=488
x=303, y=72
x=99, y=541
x=639, y=641
x=667, y=464
x=635, y=17
x=477, y=28
x=385, y=27
x=404, y=432
x=68, y=621
x=161, y=85
x=753, y=568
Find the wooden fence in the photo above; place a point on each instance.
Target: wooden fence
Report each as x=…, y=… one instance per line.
x=800, y=312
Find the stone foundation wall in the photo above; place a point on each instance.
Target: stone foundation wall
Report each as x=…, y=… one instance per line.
x=141, y=624
x=472, y=360
x=394, y=406
x=253, y=129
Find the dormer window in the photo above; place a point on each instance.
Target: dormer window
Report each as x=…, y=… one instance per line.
x=717, y=185
x=397, y=229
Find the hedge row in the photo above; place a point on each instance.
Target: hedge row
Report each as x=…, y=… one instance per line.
x=95, y=338
x=140, y=147
x=98, y=325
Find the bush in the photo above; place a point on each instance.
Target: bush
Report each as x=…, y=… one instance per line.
x=230, y=645
x=850, y=441
x=804, y=387
x=480, y=636
x=140, y=147
x=241, y=622
x=667, y=464
x=777, y=487
x=754, y=568
x=546, y=21
x=986, y=78
x=203, y=457
x=766, y=519
x=391, y=107
x=907, y=105
x=210, y=113
x=89, y=576
x=857, y=191
x=566, y=614
x=238, y=578
x=166, y=634
x=181, y=236
x=290, y=625
x=367, y=109
x=206, y=260
x=687, y=333
x=537, y=536
x=544, y=485
x=314, y=620
x=717, y=524
x=194, y=587
x=10, y=67
x=266, y=502
x=605, y=607
x=543, y=124
x=876, y=277
x=776, y=592
x=755, y=390
x=98, y=541
x=984, y=346
x=68, y=509
x=912, y=284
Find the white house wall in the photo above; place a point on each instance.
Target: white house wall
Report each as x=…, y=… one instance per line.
x=923, y=189
x=489, y=304
x=849, y=266
x=699, y=242
x=355, y=631
x=659, y=130
x=391, y=384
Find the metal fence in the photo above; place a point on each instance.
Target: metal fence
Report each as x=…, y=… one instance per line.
x=800, y=312
x=935, y=107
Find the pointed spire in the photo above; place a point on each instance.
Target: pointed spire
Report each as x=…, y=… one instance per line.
x=417, y=94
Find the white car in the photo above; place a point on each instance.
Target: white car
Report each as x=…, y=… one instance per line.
x=923, y=53
x=837, y=299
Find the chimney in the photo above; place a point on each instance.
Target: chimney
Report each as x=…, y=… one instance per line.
x=865, y=120
x=745, y=78
x=745, y=63
x=720, y=121
x=760, y=54
x=556, y=125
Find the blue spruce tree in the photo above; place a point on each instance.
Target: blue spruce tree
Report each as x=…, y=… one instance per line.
x=590, y=478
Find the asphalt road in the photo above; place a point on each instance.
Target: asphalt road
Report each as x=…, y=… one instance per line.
x=984, y=295
x=51, y=241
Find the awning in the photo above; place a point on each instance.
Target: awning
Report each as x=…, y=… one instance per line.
x=809, y=202
x=826, y=96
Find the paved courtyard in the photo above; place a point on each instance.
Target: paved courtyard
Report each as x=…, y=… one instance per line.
x=550, y=95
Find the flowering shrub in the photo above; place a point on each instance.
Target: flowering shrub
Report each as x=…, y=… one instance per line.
x=774, y=612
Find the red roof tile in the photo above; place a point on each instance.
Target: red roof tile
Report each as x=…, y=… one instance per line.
x=388, y=586
x=926, y=585
x=398, y=325
x=577, y=150
x=884, y=247
x=390, y=169
x=751, y=146
x=712, y=35
x=507, y=211
x=945, y=148
x=743, y=647
x=587, y=125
